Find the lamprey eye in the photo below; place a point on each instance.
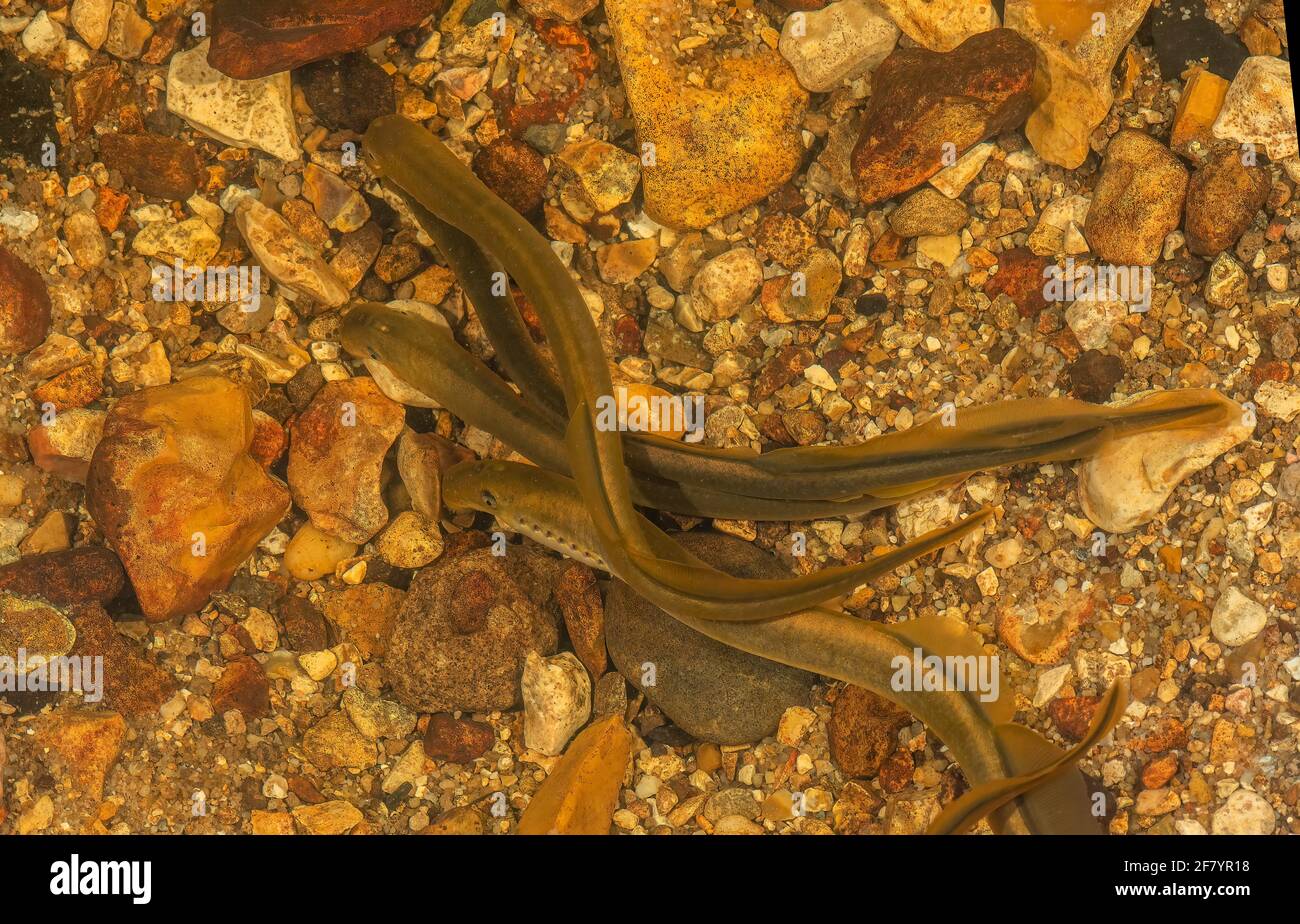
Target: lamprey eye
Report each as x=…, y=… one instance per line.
x=489, y=499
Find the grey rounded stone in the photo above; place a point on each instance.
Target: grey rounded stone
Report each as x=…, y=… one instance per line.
x=711, y=691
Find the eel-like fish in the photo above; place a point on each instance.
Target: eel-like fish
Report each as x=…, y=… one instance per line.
x=1022, y=778
x=426, y=173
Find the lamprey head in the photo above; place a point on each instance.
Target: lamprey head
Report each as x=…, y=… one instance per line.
x=486, y=486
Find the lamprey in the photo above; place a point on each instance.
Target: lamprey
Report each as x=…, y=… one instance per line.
x=986, y=744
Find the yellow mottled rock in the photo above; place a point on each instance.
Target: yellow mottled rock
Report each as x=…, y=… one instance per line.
x=83, y=742
x=942, y=25
x=336, y=817
x=265, y=822
x=712, y=148
x=312, y=553
x=1198, y=107
x=1072, y=87
x=581, y=793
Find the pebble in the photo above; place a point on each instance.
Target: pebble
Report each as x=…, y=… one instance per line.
x=336, y=203
x=364, y=616
x=1245, y=812
x=90, y=19
x=30, y=625
x=342, y=438
x=335, y=742
x=333, y=817
x=928, y=212
x=86, y=743
x=24, y=305
x=243, y=687
x=128, y=32
x=463, y=632
x=71, y=577
x=43, y=36
x=1198, y=108
x=1092, y=319
x=347, y=93
x=711, y=691
x=840, y=42
x=568, y=10
x=286, y=257
x=176, y=493
x=26, y=114
x=952, y=181
x=1227, y=284
x=167, y=168
x=244, y=113
x=515, y=172
x=1237, y=618
x=1137, y=202
x=1279, y=399
x=606, y=176
x=254, y=38
x=1127, y=483
x=1077, y=64
x=1259, y=108
x=313, y=553
x=191, y=241
x=556, y=692
x=457, y=741
x=85, y=240
x=409, y=541
x=1223, y=198
x=377, y=718
x=942, y=25
x=64, y=447
x=927, y=108
x=806, y=294
x=726, y=283
x=719, y=147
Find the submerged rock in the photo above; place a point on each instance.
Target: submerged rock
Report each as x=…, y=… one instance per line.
x=841, y=42
x=1072, y=88
x=942, y=25
x=24, y=306
x=285, y=256
x=710, y=690
x=557, y=701
x=1222, y=199
x=1138, y=200
x=1127, y=483
x=1259, y=108
x=708, y=150
x=176, y=493
x=928, y=107
x=336, y=453
x=254, y=38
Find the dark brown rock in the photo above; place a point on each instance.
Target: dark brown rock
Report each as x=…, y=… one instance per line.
x=1094, y=375
x=922, y=101
x=243, y=686
x=584, y=615
x=132, y=684
x=305, y=628
x=24, y=306
x=156, y=166
x=1222, y=199
x=347, y=93
x=863, y=730
x=459, y=741
x=514, y=171
x=71, y=577
x=254, y=38
x=1020, y=277
x=1072, y=715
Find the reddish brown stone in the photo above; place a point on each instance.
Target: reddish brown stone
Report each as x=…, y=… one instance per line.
x=93, y=93
x=71, y=577
x=514, y=171
x=584, y=615
x=896, y=771
x=75, y=387
x=132, y=685
x=1168, y=735
x=1222, y=199
x=791, y=361
x=24, y=306
x=305, y=628
x=1159, y=771
x=1073, y=714
x=156, y=166
x=922, y=101
x=459, y=741
x=269, y=439
x=254, y=38
x=1020, y=277
x=862, y=730
x=243, y=686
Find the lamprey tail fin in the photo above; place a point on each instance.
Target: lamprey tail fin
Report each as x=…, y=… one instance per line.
x=962, y=814
x=951, y=638
x=1059, y=806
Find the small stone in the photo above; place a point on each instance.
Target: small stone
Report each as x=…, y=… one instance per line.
x=85, y=240
x=262, y=821
x=1259, y=108
x=622, y=263
x=37, y=817
x=942, y=25
x=1151, y=802
x=313, y=553
x=1279, y=399
x=192, y=242
x=242, y=686
x=285, y=256
x=64, y=447
x=132, y=685
x=1198, y=109
x=726, y=283
x=606, y=175
x=84, y=742
x=24, y=305
x=785, y=239
x=254, y=38
x=377, y=718
x=244, y=113
x=1223, y=198
x=88, y=574
x=1138, y=200
x=1020, y=276
x=1245, y=812
x=795, y=723
x=1092, y=319
x=928, y=212
x=43, y=36
x=1094, y=375
x=1237, y=618
x=568, y=10
x=90, y=19
x=32, y=628
x=364, y=616
x=335, y=742
x=1072, y=715
x=348, y=92
x=1227, y=284
x=336, y=203
x=863, y=730
x=807, y=293
x=409, y=541
x=166, y=453
x=457, y=741
x=718, y=146
x=926, y=108
x=342, y=438
x=128, y=32
x=579, y=600
x=557, y=701
x=841, y=42
x=334, y=817
x=514, y=171
x=463, y=631
x=1127, y=483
